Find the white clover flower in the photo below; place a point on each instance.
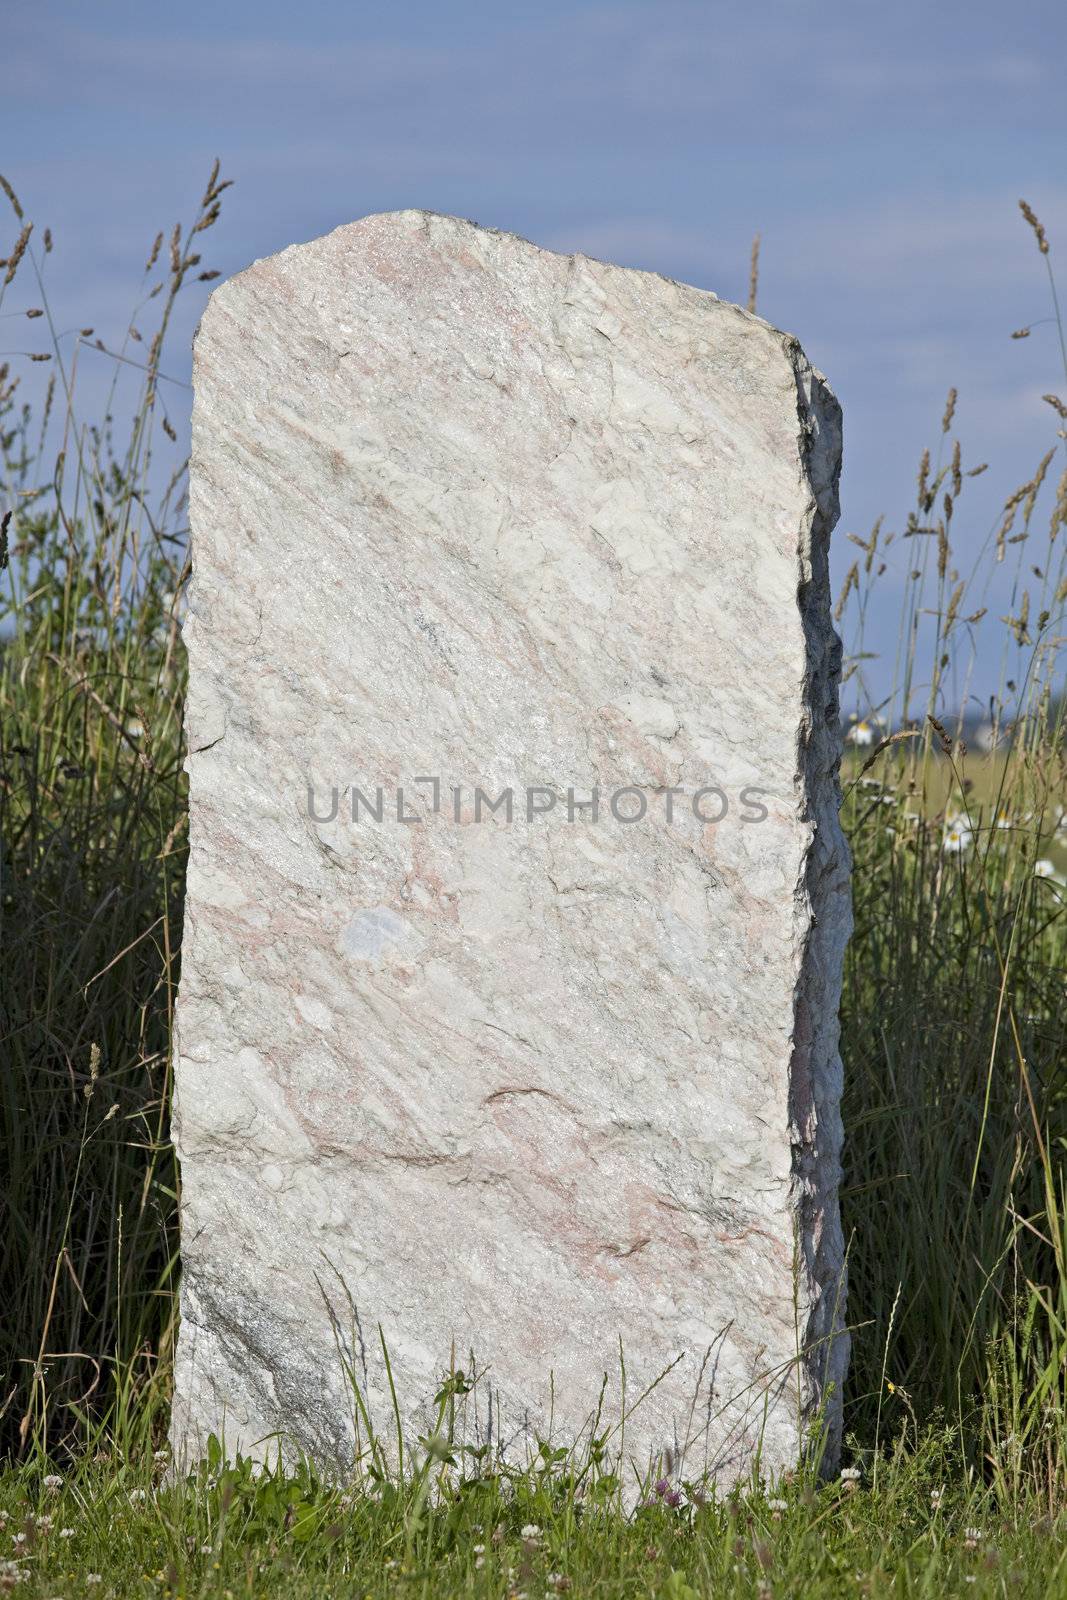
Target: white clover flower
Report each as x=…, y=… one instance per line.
x=850, y=1474
x=160, y=1455
x=531, y=1532
x=53, y=1481
x=66, y=1533
x=778, y=1505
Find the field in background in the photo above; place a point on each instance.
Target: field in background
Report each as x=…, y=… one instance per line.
x=954, y=1038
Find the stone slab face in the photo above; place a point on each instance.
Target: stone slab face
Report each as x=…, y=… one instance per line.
x=521, y=1094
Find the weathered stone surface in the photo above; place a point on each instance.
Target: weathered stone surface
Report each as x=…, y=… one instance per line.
x=545, y=1089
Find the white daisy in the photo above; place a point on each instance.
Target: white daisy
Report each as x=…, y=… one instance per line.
x=958, y=838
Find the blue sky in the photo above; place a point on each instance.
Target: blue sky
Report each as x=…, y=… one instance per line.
x=879, y=148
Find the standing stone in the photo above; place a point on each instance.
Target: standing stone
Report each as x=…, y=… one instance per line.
x=548, y=1097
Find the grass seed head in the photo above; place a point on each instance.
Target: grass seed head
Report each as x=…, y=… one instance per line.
x=1039, y=232
x=12, y=196
x=950, y=411
x=17, y=253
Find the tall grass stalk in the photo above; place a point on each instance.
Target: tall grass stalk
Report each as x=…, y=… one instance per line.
x=92, y=807
x=954, y=1022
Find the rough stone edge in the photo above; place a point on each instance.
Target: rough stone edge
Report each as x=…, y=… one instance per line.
x=824, y=922
x=427, y=218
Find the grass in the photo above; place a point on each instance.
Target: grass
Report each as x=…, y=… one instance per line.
x=954, y=1038
x=534, y=1533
